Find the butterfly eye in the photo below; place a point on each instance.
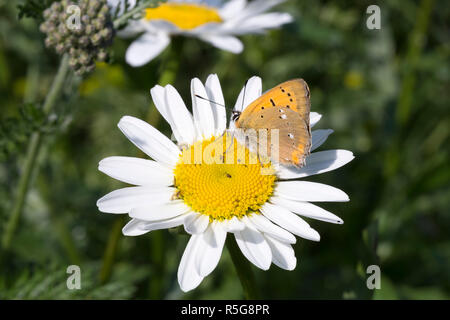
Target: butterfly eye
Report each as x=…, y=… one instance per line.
x=235, y=115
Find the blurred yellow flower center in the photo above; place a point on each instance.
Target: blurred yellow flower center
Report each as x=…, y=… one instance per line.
x=186, y=16
x=223, y=181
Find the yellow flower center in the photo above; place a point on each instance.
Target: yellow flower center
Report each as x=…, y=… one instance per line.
x=223, y=181
x=186, y=16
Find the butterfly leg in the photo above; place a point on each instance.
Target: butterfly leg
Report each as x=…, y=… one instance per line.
x=231, y=144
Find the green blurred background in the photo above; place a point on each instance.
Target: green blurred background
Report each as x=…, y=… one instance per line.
x=384, y=93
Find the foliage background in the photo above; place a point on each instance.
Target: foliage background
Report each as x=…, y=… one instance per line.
x=384, y=92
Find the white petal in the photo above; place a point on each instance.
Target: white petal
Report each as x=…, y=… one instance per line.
x=224, y=42
x=318, y=162
x=309, y=191
x=163, y=26
x=196, y=223
x=160, y=212
x=307, y=209
x=158, y=94
x=182, y=118
x=203, y=114
x=314, y=117
x=134, y=227
x=159, y=98
x=133, y=28
x=188, y=277
x=166, y=224
x=256, y=7
x=264, y=225
x=113, y=4
x=125, y=199
x=136, y=171
x=212, y=241
x=318, y=137
x=254, y=247
x=149, y=140
x=249, y=93
x=206, y=29
x=262, y=22
x=282, y=253
x=289, y=221
x=215, y=94
x=234, y=225
x=145, y=48
x=323, y=161
x=232, y=8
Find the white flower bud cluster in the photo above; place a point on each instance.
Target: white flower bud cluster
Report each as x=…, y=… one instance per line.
x=81, y=29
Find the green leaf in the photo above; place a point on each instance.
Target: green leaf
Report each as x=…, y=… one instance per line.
x=33, y=8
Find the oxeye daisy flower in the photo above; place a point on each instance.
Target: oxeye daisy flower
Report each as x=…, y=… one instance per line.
x=210, y=200
x=212, y=21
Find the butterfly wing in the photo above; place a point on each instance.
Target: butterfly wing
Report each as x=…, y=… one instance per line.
x=294, y=134
x=285, y=107
x=292, y=94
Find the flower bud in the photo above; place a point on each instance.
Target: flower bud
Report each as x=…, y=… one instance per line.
x=84, y=44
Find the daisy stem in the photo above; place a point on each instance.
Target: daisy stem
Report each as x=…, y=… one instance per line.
x=158, y=262
x=243, y=269
x=32, y=153
x=111, y=250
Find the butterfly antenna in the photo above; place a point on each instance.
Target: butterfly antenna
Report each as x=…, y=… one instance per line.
x=219, y=104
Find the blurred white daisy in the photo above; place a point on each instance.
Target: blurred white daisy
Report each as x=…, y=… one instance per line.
x=263, y=212
x=210, y=20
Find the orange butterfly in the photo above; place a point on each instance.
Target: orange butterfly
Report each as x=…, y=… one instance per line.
x=285, y=107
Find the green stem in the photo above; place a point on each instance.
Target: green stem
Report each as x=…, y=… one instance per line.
x=111, y=250
x=32, y=153
x=66, y=239
x=158, y=259
x=32, y=85
x=415, y=46
x=130, y=14
x=243, y=269
x=57, y=85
